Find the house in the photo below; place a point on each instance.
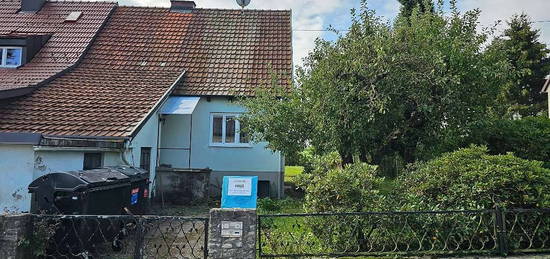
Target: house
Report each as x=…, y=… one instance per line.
x=92, y=84
x=546, y=89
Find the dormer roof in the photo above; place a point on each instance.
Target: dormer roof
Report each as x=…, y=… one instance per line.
x=66, y=43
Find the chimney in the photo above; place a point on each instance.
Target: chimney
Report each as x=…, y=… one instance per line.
x=182, y=6
x=31, y=6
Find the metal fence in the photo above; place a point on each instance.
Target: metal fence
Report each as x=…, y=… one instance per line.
x=479, y=232
x=117, y=237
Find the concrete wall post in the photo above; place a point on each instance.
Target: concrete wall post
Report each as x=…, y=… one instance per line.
x=232, y=234
x=13, y=230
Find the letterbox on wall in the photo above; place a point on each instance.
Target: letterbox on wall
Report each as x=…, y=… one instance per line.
x=239, y=192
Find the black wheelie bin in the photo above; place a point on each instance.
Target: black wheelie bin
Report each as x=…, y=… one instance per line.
x=90, y=192
x=138, y=197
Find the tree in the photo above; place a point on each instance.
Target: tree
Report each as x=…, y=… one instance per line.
x=530, y=58
x=409, y=5
x=385, y=89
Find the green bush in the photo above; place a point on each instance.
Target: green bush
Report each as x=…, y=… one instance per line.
x=352, y=188
x=471, y=178
x=528, y=138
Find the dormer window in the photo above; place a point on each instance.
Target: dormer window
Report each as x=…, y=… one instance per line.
x=11, y=56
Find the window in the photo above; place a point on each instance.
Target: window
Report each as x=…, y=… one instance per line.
x=145, y=158
x=226, y=131
x=92, y=161
x=11, y=56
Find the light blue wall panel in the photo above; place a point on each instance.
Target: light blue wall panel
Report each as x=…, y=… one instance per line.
x=175, y=133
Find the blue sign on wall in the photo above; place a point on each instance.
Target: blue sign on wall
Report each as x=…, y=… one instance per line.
x=239, y=192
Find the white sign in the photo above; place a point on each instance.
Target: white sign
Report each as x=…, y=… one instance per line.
x=239, y=187
x=232, y=229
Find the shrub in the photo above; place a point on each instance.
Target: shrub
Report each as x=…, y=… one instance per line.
x=528, y=138
x=352, y=188
x=471, y=178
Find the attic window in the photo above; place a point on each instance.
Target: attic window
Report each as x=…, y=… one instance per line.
x=11, y=56
x=73, y=17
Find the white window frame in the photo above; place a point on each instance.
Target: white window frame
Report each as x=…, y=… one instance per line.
x=224, y=122
x=4, y=56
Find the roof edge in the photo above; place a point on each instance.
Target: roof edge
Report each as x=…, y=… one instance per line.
x=546, y=86
x=20, y=138
x=157, y=105
x=15, y=92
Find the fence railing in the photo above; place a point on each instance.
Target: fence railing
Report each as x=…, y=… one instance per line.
x=117, y=237
x=477, y=232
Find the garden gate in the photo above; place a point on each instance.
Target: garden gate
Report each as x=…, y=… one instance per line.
x=118, y=237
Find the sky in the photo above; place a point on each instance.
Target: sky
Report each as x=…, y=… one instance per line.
x=314, y=16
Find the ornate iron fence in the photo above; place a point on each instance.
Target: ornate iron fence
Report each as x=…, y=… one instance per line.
x=118, y=237
x=476, y=232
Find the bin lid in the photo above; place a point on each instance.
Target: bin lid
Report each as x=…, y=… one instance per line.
x=74, y=180
x=134, y=173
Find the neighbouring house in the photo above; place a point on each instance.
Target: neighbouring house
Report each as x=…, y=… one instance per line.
x=85, y=85
x=546, y=90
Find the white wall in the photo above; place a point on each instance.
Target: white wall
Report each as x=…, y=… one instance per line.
x=46, y=162
x=16, y=172
x=146, y=137
x=22, y=164
x=175, y=134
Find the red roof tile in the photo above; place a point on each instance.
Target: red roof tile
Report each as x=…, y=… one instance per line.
x=137, y=57
x=66, y=45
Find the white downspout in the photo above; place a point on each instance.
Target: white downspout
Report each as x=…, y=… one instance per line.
x=123, y=153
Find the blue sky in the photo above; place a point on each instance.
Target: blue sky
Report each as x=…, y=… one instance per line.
x=319, y=14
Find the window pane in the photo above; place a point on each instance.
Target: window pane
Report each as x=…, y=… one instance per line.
x=243, y=136
x=230, y=129
x=13, y=57
x=92, y=161
x=145, y=158
x=217, y=129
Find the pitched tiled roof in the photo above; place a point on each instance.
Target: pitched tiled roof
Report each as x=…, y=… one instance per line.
x=140, y=53
x=231, y=52
x=63, y=49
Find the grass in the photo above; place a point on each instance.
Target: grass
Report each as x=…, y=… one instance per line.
x=288, y=205
x=291, y=172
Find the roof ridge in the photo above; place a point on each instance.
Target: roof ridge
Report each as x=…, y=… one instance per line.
x=83, y=1
x=205, y=9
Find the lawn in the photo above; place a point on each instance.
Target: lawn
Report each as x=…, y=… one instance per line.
x=291, y=172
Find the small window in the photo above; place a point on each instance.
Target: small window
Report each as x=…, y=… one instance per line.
x=145, y=158
x=226, y=131
x=92, y=161
x=11, y=56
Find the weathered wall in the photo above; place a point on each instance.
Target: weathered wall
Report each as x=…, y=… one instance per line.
x=46, y=162
x=21, y=164
x=182, y=187
x=254, y=160
x=16, y=172
x=13, y=230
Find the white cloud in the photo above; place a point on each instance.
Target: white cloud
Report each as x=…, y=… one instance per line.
x=495, y=10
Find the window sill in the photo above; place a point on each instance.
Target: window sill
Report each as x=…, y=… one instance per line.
x=231, y=145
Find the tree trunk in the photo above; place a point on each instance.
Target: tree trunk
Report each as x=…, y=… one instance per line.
x=346, y=158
